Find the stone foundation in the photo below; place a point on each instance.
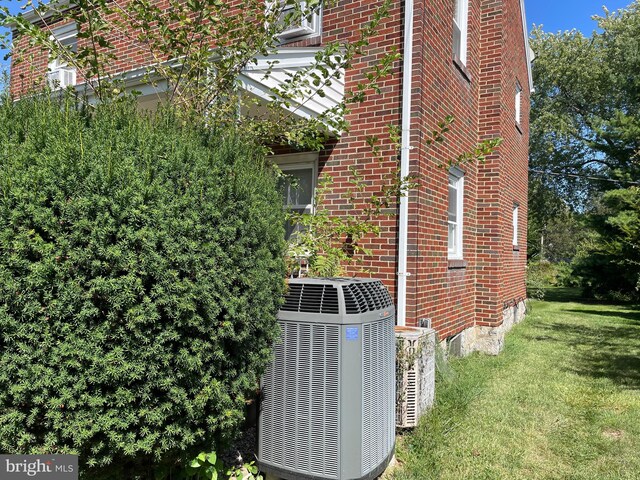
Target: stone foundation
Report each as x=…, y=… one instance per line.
x=489, y=340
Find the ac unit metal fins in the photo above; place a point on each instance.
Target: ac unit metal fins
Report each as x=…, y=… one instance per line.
x=366, y=297
x=311, y=298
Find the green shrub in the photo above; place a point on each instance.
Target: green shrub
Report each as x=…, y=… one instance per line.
x=140, y=273
x=543, y=274
x=608, y=261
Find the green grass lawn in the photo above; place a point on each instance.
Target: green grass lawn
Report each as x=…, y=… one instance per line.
x=561, y=402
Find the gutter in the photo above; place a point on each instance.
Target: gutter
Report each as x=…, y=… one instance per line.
x=403, y=220
x=33, y=16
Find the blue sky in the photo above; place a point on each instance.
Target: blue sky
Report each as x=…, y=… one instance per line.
x=554, y=15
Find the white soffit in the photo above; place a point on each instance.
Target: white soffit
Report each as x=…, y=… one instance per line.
x=528, y=52
x=255, y=80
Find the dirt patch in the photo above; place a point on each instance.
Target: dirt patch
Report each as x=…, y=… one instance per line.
x=612, y=433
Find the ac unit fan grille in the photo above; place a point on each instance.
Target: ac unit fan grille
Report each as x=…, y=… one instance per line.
x=311, y=298
x=300, y=411
x=366, y=297
x=378, y=380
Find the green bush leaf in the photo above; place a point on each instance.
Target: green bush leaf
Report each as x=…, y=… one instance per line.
x=138, y=256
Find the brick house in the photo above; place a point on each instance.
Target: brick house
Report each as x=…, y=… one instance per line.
x=454, y=255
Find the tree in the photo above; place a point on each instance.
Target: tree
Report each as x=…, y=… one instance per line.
x=199, y=48
x=141, y=269
x=585, y=142
x=585, y=110
x=609, y=263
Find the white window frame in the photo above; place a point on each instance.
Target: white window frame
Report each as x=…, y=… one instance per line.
x=515, y=217
x=460, y=30
x=59, y=73
x=300, y=161
x=309, y=26
x=456, y=176
x=518, y=102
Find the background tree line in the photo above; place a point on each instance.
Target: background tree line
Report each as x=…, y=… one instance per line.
x=584, y=198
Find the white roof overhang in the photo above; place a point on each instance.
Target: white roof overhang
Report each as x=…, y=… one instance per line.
x=266, y=77
x=263, y=80
x=528, y=52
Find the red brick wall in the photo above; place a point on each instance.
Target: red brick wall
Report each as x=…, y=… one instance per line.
x=480, y=97
x=28, y=74
x=515, y=154
x=503, y=180
x=366, y=119
x=435, y=291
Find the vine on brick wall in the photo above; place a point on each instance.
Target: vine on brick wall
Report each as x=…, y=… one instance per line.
x=326, y=244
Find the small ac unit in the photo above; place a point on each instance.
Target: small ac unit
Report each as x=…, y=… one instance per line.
x=304, y=27
x=328, y=409
x=415, y=374
x=61, y=77
x=307, y=25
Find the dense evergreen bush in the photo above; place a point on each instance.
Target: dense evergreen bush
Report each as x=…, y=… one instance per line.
x=608, y=264
x=140, y=273
x=545, y=274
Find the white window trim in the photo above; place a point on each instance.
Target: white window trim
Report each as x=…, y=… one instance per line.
x=60, y=34
x=518, y=103
x=461, y=23
x=297, y=161
x=457, y=175
x=307, y=28
x=516, y=208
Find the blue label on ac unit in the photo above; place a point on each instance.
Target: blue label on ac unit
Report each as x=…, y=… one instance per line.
x=352, y=334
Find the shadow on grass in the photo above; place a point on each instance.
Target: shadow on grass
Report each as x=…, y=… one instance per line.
x=563, y=294
x=633, y=316
x=601, y=351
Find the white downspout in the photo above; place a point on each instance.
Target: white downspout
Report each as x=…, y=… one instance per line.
x=407, y=73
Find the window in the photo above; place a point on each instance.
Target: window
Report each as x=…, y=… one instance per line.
x=307, y=26
x=460, y=19
x=515, y=224
x=60, y=74
x=298, y=183
x=518, y=102
x=455, y=211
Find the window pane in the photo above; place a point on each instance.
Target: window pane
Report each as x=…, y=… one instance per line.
x=460, y=14
x=515, y=224
x=452, y=237
x=454, y=214
x=70, y=42
x=457, y=39
x=453, y=203
x=290, y=228
x=298, y=187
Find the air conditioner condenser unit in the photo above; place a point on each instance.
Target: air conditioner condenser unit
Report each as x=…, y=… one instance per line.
x=415, y=374
x=328, y=409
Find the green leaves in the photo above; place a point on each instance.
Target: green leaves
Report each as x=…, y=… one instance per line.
x=585, y=120
x=610, y=263
x=134, y=266
x=585, y=107
x=199, y=49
